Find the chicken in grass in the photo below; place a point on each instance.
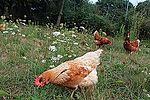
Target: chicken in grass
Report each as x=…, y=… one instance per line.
x=2, y=27
x=101, y=40
x=80, y=72
x=131, y=46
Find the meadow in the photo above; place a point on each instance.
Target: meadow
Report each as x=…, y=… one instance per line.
x=27, y=50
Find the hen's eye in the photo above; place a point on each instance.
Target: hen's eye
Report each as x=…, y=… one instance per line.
x=41, y=80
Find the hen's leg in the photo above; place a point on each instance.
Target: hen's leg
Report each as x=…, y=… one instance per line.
x=72, y=94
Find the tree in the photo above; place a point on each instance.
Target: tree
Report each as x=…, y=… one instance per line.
x=114, y=10
x=144, y=8
x=60, y=13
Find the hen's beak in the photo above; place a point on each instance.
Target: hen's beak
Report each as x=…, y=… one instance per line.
x=39, y=82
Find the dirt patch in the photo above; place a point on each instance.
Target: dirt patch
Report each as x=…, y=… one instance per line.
x=23, y=40
x=4, y=56
x=37, y=42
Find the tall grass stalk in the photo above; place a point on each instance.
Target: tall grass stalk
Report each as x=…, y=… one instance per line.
x=137, y=19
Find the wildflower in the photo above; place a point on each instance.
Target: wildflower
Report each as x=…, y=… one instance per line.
x=86, y=44
x=74, y=55
x=10, y=29
x=144, y=90
x=44, y=35
x=51, y=66
x=63, y=34
x=3, y=17
x=23, y=35
x=69, y=39
x=54, y=58
x=33, y=8
x=61, y=25
x=19, y=33
x=74, y=35
x=82, y=27
x=24, y=57
x=148, y=95
x=71, y=31
x=75, y=43
x=5, y=32
x=47, y=17
x=13, y=33
x=56, y=33
x=54, y=42
x=18, y=30
x=25, y=16
x=70, y=56
x=59, y=56
x=10, y=21
x=22, y=23
x=15, y=26
x=61, y=41
x=43, y=61
x=52, y=48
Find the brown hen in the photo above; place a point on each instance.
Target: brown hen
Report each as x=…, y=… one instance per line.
x=101, y=40
x=131, y=46
x=78, y=72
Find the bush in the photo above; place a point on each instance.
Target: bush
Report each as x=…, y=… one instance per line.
x=96, y=22
x=145, y=29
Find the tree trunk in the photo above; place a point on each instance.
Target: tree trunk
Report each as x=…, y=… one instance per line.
x=60, y=13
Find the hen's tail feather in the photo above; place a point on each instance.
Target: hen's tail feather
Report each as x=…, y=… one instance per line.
x=99, y=51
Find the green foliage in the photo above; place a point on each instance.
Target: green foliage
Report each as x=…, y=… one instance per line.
x=145, y=29
x=98, y=22
x=75, y=12
x=109, y=15
x=114, y=10
x=144, y=8
x=121, y=30
x=3, y=93
x=136, y=21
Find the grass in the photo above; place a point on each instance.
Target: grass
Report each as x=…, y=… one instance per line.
x=24, y=53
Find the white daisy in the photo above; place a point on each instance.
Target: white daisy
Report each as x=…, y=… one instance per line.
x=59, y=56
x=52, y=48
x=148, y=95
x=24, y=57
x=43, y=61
x=56, y=33
x=74, y=35
x=13, y=33
x=75, y=43
x=23, y=35
x=5, y=32
x=51, y=66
